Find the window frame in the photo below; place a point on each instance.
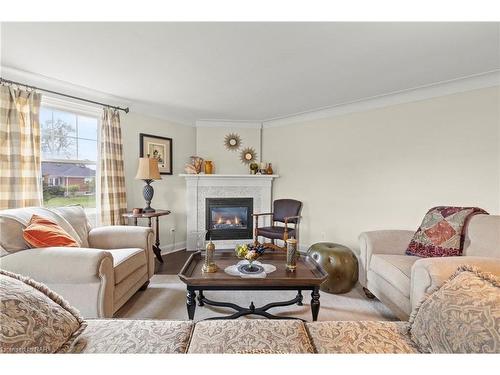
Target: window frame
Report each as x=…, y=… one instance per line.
x=58, y=104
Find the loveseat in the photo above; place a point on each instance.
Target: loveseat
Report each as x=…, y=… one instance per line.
x=112, y=263
x=400, y=281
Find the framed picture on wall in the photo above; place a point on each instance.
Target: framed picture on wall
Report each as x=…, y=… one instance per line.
x=159, y=148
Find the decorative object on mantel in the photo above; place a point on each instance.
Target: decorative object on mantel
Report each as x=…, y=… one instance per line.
x=269, y=169
x=158, y=148
x=254, y=167
x=250, y=253
x=248, y=155
x=209, y=266
x=148, y=171
x=209, y=167
x=232, y=142
x=262, y=168
x=195, y=166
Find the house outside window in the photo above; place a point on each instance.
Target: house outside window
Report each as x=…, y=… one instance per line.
x=69, y=142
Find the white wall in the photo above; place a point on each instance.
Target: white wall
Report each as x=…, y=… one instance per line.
x=210, y=146
x=170, y=191
x=384, y=168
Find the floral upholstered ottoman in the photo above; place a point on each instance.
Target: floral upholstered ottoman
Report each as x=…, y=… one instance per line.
x=134, y=336
x=361, y=337
x=250, y=336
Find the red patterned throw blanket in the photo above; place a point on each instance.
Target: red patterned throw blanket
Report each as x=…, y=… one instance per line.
x=442, y=232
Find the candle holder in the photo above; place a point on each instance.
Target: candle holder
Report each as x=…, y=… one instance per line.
x=209, y=266
x=291, y=254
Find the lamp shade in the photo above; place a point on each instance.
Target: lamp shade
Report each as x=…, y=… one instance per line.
x=148, y=169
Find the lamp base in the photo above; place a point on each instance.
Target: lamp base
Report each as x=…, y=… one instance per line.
x=148, y=193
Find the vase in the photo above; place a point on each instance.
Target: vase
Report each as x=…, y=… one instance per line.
x=269, y=169
x=209, y=167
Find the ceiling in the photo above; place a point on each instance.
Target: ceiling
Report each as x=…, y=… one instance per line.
x=250, y=71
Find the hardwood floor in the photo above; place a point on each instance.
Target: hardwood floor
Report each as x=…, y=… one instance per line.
x=172, y=263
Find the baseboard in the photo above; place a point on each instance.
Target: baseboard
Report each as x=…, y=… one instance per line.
x=165, y=249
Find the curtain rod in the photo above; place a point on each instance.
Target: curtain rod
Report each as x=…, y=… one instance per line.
x=126, y=110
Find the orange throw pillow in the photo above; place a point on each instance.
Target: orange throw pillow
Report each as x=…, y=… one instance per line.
x=42, y=232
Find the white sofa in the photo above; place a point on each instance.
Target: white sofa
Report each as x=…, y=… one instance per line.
x=400, y=281
x=111, y=265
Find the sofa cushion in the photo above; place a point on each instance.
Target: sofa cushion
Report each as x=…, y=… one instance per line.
x=462, y=316
x=250, y=336
x=76, y=216
x=126, y=261
x=42, y=232
x=134, y=336
x=395, y=269
x=360, y=337
x=13, y=221
x=33, y=318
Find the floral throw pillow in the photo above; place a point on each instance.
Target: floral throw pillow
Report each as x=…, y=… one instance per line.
x=462, y=316
x=442, y=232
x=33, y=319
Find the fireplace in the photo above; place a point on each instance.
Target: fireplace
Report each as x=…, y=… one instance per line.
x=229, y=218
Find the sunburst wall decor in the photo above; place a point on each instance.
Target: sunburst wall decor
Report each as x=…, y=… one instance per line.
x=248, y=155
x=232, y=142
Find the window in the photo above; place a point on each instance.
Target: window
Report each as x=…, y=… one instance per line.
x=69, y=159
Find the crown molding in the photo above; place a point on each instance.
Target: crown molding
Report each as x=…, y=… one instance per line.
x=58, y=101
x=473, y=82
x=228, y=124
x=478, y=81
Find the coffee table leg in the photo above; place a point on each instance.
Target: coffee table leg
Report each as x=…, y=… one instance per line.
x=299, y=295
x=200, y=298
x=191, y=303
x=315, y=303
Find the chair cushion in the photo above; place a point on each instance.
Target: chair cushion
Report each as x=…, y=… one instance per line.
x=33, y=318
x=126, y=261
x=360, y=337
x=42, y=232
x=395, y=269
x=250, y=336
x=275, y=232
x=134, y=336
x=462, y=316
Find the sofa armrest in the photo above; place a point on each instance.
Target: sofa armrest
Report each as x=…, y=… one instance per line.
x=84, y=277
x=124, y=236
x=380, y=242
x=430, y=273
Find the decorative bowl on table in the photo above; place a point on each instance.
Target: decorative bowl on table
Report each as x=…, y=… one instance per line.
x=249, y=253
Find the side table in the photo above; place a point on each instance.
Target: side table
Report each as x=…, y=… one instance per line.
x=149, y=215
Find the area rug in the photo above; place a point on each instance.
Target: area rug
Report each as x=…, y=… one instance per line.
x=165, y=298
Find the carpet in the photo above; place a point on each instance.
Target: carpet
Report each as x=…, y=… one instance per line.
x=165, y=298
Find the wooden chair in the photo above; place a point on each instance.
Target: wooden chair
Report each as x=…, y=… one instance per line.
x=286, y=211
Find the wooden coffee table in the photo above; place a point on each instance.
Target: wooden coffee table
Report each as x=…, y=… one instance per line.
x=308, y=276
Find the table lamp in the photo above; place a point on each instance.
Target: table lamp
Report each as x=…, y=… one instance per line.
x=148, y=171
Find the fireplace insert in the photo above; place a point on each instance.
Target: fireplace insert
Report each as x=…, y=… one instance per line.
x=229, y=218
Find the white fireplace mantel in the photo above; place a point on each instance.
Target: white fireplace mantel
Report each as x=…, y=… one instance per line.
x=199, y=187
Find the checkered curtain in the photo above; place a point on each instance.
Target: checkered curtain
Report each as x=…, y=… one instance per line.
x=113, y=196
x=20, y=166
